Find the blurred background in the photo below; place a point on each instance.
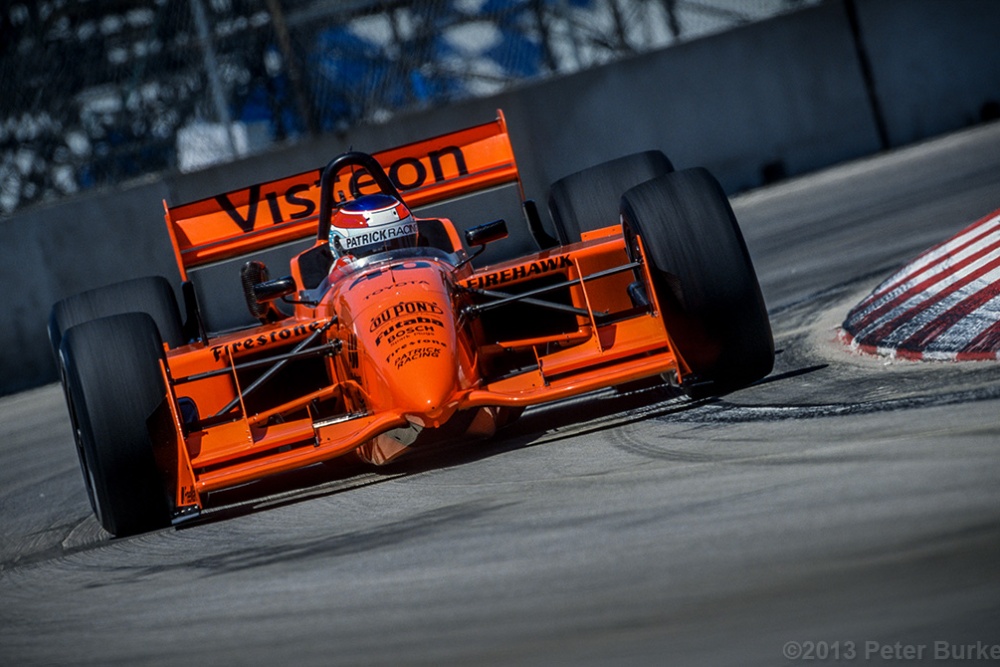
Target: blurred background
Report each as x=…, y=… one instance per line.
x=96, y=93
x=108, y=108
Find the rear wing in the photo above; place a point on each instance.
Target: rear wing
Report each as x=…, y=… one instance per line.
x=287, y=209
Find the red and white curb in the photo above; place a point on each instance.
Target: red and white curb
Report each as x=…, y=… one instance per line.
x=945, y=305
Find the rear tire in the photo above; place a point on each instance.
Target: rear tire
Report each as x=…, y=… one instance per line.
x=150, y=294
x=113, y=383
x=703, y=278
x=588, y=199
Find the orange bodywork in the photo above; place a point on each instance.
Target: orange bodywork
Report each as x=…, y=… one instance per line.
x=400, y=350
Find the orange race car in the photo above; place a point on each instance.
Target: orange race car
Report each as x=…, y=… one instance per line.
x=395, y=328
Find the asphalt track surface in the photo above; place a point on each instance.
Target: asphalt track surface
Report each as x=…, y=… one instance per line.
x=845, y=507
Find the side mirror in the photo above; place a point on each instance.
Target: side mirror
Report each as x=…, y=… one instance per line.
x=488, y=232
x=259, y=290
x=272, y=290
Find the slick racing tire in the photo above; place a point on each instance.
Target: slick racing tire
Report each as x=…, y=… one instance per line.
x=588, y=199
x=150, y=294
x=111, y=372
x=703, y=278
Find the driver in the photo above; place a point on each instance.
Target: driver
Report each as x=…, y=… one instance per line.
x=371, y=224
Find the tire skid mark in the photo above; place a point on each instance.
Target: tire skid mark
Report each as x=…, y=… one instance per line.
x=730, y=413
x=630, y=441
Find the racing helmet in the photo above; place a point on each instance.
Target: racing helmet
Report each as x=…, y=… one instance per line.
x=371, y=224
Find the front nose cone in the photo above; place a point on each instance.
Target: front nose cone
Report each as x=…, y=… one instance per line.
x=406, y=327
x=426, y=383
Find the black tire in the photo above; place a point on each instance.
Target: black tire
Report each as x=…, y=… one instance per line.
x=588, y=199
x=703, y=277
x=150, y=294
x=113, y=384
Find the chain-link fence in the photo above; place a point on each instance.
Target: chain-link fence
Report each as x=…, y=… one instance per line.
x=95, y=93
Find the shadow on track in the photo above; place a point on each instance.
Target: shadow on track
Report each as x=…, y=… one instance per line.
x=605, y=409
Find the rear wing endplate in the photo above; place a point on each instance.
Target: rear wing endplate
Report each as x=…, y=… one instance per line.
x=287, y=209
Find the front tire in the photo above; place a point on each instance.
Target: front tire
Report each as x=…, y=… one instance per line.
x=149, y=294
x=113, y=384
x=588, y=199
x=703, y=278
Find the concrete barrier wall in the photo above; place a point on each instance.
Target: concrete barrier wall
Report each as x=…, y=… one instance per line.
x=935, y=64
x=49, y=252
x=788, y=90
x=781, y=97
